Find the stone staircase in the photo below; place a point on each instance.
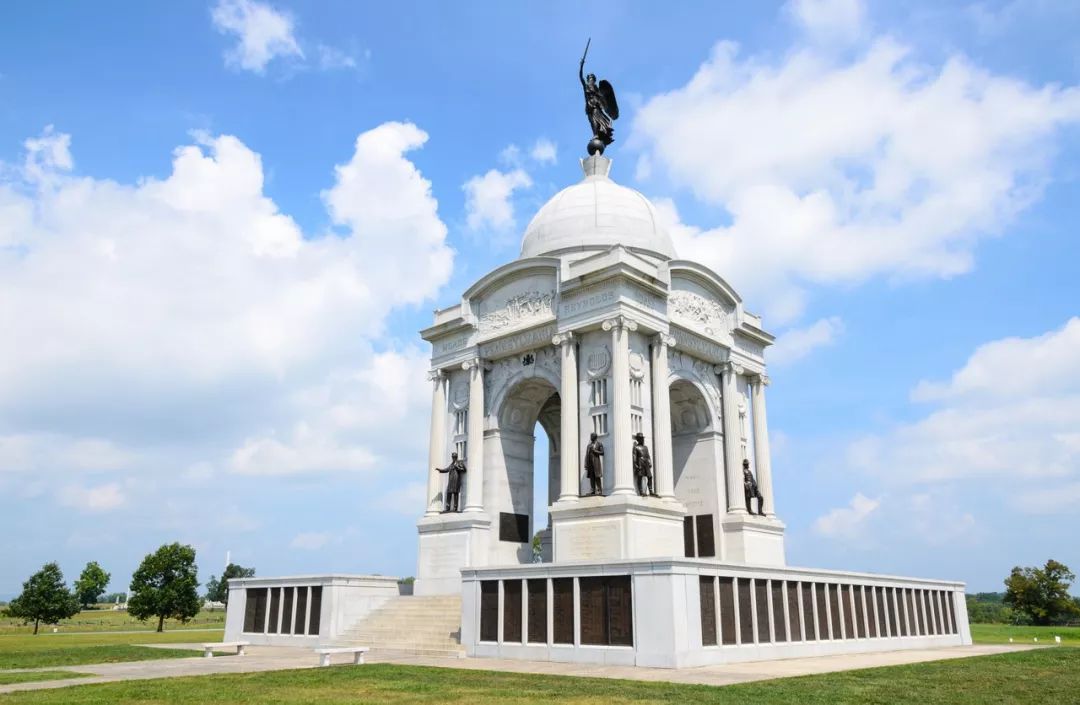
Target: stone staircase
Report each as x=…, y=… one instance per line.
x=411, y=625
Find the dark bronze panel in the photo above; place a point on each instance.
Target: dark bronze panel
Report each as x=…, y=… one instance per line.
x=915, y=618
x=896, y=616
x=707, y=594
x=939, y=605
x=514, y=527
x=706, y=542
x=793, y=610
x=947, y=597
x=255, y=610
x=301, y=610
x=688, y=536
x=511, y=611
x=746, y=614
x=834, y=612
x=849, y=613
x=761, y=603
x=727, y=611
x=883, y=619
x=861, y=594
x=822, y=611
x=537, y=610
x=287, y=595
x=275, y=608
x=489, y=610
x=620, y=605
x=593, y=611
x=316, y=611
x=808, y=611
x=871, y=622
x=778, y=606
x=562, y=593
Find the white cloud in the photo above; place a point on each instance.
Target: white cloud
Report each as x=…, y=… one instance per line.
x=1010, y=415
x=833, y=170
x=331, y=58
x=262, y=33
x=544, y=152
x=797, y=343
x=847, y=522
x=168, y=327
x=828, y=19
x=310, y=540
x=488, y=198
x=102, y=498
x=407, y=499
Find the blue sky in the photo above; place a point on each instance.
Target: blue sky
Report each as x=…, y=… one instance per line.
x=222, y=224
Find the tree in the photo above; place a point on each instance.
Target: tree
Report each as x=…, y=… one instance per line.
x=218, y=590
x=44, y=598
x=91, y=584
x=165, y=585
x=1042, y=594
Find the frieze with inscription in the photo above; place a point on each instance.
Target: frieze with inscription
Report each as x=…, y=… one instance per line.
x=699, y=346
x=605, y=295
x=518, y=342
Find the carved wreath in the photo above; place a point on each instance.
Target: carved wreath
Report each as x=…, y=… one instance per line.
x=689, y=305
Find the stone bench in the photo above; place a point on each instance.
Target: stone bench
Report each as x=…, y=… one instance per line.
x=208, y=649
x=326, y=651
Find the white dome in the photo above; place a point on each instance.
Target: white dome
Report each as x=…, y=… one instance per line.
x=596, y=214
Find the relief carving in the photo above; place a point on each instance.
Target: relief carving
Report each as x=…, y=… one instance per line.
x=598, y=362
x=697, y=308
x=518, y=308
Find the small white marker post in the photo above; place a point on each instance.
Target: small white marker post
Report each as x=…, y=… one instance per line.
x=1057, y=640
x=1036, y=640
x=1010, y=640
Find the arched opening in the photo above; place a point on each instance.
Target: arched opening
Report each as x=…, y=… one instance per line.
x=697, y=452
x=525, y=473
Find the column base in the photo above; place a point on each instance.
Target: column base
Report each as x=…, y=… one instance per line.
x=617, y=526
x=448, y=543
x=753, y=539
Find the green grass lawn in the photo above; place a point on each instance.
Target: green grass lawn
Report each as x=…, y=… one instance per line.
x=1001, y=633
x=113, y=620
x=31, y=676
x=48, y=650
x=1039, y=676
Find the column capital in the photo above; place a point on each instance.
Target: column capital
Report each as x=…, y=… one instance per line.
x=619, y=322
x=476, y=362
x=436, y=375
x=664, y=339
x=729, y=368
x=560, y=339
x=763, y=379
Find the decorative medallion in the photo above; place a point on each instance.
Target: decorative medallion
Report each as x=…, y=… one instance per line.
x=599, y=361
x=637, y=365
x=459, y=395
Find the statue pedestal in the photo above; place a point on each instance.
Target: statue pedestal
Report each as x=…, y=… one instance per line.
x=753, y=539
x=617, y=527
x=448, y=543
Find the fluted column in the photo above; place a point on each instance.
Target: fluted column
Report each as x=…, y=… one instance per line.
x=663, y=461
x=729, y=373
x=569, y=452
x=761, y=443
x=437, y=440
x=474, y=482
x=622, y=442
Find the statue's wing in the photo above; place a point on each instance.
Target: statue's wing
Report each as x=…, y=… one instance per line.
x=611, y=106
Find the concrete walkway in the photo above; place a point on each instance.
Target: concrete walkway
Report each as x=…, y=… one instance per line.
x=275, y=658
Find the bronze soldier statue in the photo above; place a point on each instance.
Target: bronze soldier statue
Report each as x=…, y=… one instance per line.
x=750, y=489
x=643, y=475
x=594, y=464
x=456, y=470
x=600, y=107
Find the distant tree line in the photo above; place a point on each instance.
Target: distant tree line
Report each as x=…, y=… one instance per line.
x=165, y=586
x=1036, y=596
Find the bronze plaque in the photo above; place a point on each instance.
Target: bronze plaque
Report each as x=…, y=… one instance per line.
x=947, y=600
x=778, y=608
x=706, y=541
x=562, y=594
x=593, y=611
x=761, y=602
x=316, y=610
x=620, y=604
x=275, y=607
x=537, y=607
x=793, y=610
x=746, y=613
x=895, y=606
x=511, y=611
x=808, y=611
x=727, y=611
x=882, y=620
x=688, y=536
x=514, y=528
x=834, y=611
x=707, y=593
x=287, y=596
x=822, y=614
x=255, y=610
x=849, y=616
x=939, y=605
x=301, y=610
x=489, y=610
x=914, y=616
x=860, y=613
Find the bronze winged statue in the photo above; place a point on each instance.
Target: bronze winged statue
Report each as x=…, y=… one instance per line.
x=600, y=107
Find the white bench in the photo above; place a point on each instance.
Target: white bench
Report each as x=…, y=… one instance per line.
x=325, y=652
x=208, y=649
